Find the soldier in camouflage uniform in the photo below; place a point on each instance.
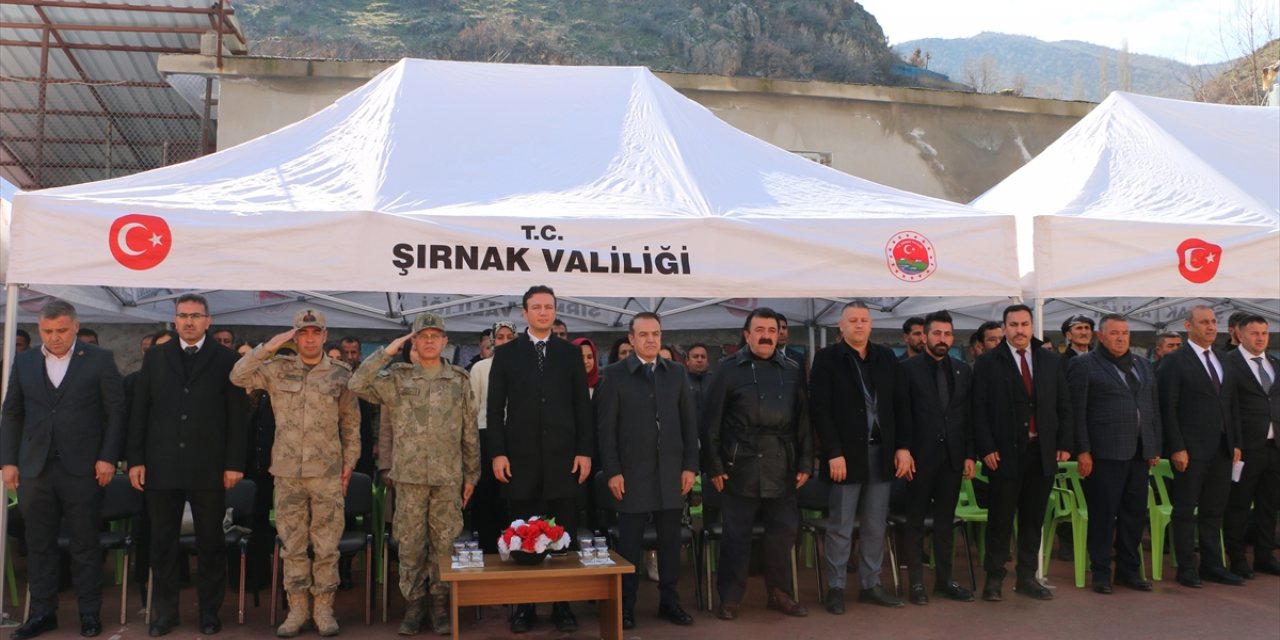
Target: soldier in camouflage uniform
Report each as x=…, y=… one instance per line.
x=433, y=457
x=317, y=443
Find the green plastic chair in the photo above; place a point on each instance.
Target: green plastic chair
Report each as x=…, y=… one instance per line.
x=1160, y=514
x=967, y=509
x=1067, y=505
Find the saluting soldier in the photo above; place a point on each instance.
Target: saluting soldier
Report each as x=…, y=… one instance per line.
x=317, y=444
x=434, y=451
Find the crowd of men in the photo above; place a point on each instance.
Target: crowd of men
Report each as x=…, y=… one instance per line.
x=528, y=426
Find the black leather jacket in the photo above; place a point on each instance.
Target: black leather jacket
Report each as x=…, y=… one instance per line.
x=757, y=420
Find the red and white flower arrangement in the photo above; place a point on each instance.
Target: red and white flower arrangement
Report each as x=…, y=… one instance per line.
x=537, y=535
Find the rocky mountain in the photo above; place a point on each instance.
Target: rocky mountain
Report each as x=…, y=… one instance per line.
x=835, y=40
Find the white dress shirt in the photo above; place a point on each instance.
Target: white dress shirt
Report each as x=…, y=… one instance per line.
x=1213, y=357
x=1253, y=367
x=56, y=366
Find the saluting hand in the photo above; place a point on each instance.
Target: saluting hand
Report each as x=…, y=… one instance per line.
x=394, y=347
x=278, y=340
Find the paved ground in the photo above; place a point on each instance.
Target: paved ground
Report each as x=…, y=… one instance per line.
x=1171, y=612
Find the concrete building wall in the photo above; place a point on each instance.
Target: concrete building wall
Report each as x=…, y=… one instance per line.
x=945, y=144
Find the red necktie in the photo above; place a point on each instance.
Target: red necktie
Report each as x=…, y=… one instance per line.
x=1026, y=381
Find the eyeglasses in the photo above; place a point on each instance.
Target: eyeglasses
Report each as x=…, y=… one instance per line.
x=192, y=316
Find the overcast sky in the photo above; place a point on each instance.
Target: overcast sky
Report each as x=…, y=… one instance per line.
x=1184, y=30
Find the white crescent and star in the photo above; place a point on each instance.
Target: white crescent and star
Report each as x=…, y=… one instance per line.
x=1188, y=257
x=122, y=239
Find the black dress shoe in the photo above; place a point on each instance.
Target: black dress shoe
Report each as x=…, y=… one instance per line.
x=675, y=615
x=1032, y=589
x=1222, y=576
x=991, y=590
x=1267, y=564
x=917, y=594
x=90, y=625
x=1133, y=582
x=524, y=618
x=728, y=611
x=953, y=590
x=1243, y=570
x=1102, y=586
x=878, y=595
x=628, y=619
x=210, y=624
x=562, y=616
x=34, y=626
x=1189, y=579
x=835, y=601
x=160, y=627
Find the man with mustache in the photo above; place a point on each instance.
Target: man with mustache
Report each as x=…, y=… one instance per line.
x=760, y=453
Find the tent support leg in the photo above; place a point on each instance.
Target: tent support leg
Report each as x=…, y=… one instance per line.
x=10, y=334
x=1040, y=318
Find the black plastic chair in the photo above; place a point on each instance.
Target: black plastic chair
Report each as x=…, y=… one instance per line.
x=240, y=501
x=120, y=504
x=607, y=518
x=357, y=504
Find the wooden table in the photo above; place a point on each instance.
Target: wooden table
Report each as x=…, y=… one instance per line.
x=554, y=580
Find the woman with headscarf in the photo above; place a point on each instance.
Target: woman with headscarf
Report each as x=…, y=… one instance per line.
x=590, y=360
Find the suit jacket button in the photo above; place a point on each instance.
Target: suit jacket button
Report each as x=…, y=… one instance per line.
x=184, y=416
x=182, y=445
x=186, y=391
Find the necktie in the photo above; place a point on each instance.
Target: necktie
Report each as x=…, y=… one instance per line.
x=649, y=369
x=191, y=351
x=1213, y=372
x=1026, y=382
x=944, y=394
x=1262, y=374
x=541, y=348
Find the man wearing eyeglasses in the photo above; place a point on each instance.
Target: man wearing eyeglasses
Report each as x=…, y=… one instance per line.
x=186, y=444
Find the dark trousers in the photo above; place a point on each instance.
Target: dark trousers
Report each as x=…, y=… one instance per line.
x=1259, y=486
x=164, y=507
x=781, y=523
x=488, y=513
x=1117, y=495
x=57, y=502
x=933, y=492
x=1025, y=494
x=1205, y=484
x=630, y=545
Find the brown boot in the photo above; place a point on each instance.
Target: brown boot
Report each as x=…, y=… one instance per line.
x=441, y=617
x=326, y=624
x=412, y=622
x=299, y=615
x=782, y=601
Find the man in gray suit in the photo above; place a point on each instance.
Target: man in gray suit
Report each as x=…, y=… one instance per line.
x=61, y=434
x=1118, y=437
x=648, y=433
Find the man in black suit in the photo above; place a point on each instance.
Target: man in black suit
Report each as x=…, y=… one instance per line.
x=1022, y=429
x=1202, y=442
x=856, y=395
x=541, y=429
x=939, y=434
x=187, y=434
x=61, y=432
x=1118, y=438
x=648, y=430
x=1258, y=412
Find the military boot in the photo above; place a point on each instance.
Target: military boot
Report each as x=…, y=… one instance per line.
x=326, y=624
x=412, y=622
x=441, y=618
x=299, y=615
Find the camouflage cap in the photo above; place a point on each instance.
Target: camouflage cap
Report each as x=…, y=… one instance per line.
x=308, y=318
x=428, y=321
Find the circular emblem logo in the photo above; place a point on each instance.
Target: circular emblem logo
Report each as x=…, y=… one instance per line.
x=139, y=242
x=910, y=256
x=1198, y=260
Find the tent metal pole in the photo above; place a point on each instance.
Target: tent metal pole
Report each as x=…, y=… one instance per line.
x=441, y=305
x=1040, y=318
x=697, y=305
x=10, y=333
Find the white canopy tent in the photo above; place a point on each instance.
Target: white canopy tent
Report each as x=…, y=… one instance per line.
x=455, y=178
x=1150, y=197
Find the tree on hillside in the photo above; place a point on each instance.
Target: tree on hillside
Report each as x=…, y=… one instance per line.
x=1248, y=41
x=982, y=75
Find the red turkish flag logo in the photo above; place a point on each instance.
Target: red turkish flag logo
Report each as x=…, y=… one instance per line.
x=1198, y=260
x=140, y=242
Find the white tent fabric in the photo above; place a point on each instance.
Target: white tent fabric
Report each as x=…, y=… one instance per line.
x=1151, y=197
x=480, y=178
